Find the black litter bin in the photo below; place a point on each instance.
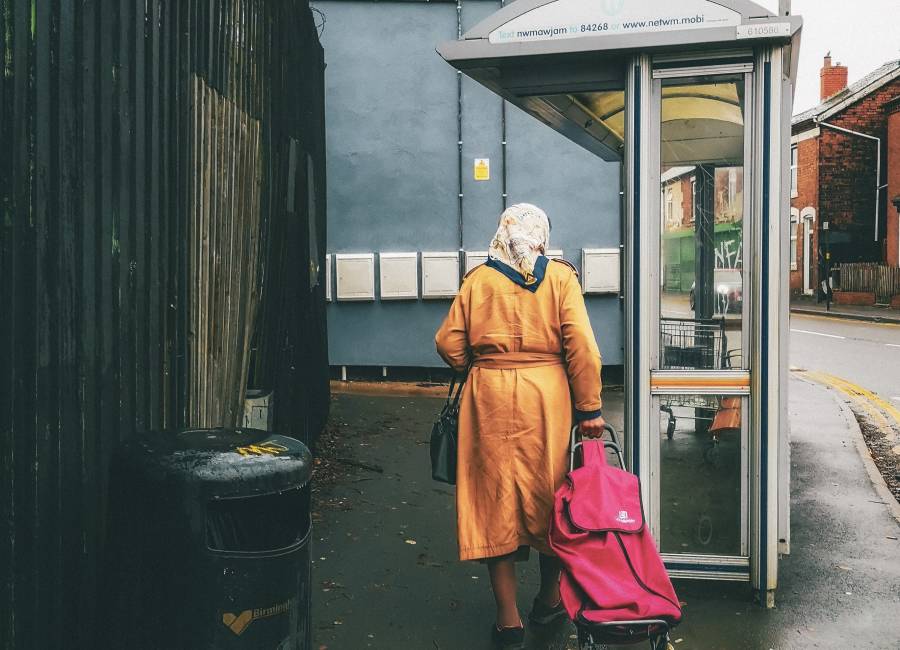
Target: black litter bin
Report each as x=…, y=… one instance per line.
x=208, y=542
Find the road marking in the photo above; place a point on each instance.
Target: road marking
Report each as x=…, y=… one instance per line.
x=875, y=405
x=831, y=336
x=892, y=345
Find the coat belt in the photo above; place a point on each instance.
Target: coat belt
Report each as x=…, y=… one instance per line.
x=514, y=360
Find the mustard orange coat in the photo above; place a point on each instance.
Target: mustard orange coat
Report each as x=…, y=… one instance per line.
x=535, y=356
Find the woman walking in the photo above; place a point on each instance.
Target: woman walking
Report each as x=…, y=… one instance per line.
x=519, y=322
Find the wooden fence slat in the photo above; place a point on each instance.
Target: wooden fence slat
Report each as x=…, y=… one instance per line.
x=881, y=279
x=145, y=257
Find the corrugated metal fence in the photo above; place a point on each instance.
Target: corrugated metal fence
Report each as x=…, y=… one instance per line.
x=162, y=195
x=882, y=279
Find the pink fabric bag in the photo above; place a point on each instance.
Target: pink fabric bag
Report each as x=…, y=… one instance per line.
x=612, y=571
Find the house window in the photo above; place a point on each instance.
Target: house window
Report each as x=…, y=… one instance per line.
x=670, y=207
x=693, y=199
x=795, y=229
x=794, y=158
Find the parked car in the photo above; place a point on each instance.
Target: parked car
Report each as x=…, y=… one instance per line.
x=729, y=284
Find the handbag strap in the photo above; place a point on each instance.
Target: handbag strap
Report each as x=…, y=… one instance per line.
x=458, y=383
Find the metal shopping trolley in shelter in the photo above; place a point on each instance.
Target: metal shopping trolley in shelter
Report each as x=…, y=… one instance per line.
x=693, y=344
x=698, y=344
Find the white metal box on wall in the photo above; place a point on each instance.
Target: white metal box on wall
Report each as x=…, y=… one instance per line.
x=440, y=275
x=474, y=258
x=355, y=276
x=399, y=273
x=600, y=270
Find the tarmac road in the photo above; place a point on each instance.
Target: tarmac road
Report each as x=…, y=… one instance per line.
x=866, y=354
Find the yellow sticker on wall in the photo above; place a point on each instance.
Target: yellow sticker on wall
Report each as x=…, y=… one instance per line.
x=482, y=169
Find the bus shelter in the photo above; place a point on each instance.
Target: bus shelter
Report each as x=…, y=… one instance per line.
x=693, y=98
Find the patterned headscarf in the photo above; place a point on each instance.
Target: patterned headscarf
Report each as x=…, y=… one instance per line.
x=523, y=235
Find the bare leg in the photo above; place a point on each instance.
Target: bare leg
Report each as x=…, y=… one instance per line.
x=503, y=581
x=549, y=591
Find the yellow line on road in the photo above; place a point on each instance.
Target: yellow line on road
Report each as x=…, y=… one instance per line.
x=879, y=409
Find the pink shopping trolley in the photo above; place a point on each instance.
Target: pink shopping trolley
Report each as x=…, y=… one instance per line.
x=614, y=585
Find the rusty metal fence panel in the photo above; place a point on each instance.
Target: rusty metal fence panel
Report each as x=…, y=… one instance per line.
x=881, y=279
x=151, y=260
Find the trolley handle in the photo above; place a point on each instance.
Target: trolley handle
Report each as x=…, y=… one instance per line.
x=613, y=443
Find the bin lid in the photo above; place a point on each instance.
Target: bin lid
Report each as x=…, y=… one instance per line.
x=219, y=462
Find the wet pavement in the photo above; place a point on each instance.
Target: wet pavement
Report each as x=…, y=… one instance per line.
x=385, y=573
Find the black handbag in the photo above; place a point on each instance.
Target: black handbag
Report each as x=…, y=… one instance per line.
x=444, y=435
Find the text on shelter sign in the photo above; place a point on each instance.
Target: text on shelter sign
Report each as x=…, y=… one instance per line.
x=577, y=18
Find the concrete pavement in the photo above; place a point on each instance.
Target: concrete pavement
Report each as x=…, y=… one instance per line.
x=860, y=362
x=385, y=574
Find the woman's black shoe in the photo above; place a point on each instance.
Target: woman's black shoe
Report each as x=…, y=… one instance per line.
x=508, y=638
x=542, y=614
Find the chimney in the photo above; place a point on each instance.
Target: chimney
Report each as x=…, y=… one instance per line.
x=833, y=78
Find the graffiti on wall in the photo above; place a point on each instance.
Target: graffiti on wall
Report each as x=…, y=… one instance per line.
x=730, y=254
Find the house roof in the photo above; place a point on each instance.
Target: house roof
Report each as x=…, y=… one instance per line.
x=676, y=172
x=851, y=94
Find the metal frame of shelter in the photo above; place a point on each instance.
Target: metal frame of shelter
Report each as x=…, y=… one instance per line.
x=602, y=72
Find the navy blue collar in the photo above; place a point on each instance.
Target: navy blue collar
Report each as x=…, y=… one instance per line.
x=540, y=269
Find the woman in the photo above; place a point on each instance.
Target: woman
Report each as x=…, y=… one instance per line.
x=520, y=323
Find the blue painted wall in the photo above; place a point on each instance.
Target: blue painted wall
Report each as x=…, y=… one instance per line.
x=391, y=110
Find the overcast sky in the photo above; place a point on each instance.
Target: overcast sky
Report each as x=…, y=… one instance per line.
x=861, y=34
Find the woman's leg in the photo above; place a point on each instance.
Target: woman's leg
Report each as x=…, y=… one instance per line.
x=549, y=592
x=503, y=581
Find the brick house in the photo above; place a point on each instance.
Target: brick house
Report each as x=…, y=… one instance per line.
x=678, y=196
x=837, y=178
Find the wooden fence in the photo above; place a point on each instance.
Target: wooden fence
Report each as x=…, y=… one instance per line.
x=881, y=279
x=159, y=251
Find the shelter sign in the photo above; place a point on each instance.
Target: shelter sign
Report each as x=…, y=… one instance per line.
x=579, y=18
x=482, y=169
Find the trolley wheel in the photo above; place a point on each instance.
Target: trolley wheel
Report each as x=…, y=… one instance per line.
x=670, y=427
x=586, y=642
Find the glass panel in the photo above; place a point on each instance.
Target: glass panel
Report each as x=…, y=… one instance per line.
x=701, y=473
x=702, y=199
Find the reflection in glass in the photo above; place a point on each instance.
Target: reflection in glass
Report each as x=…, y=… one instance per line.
x=702, y=217
x=700, y=474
